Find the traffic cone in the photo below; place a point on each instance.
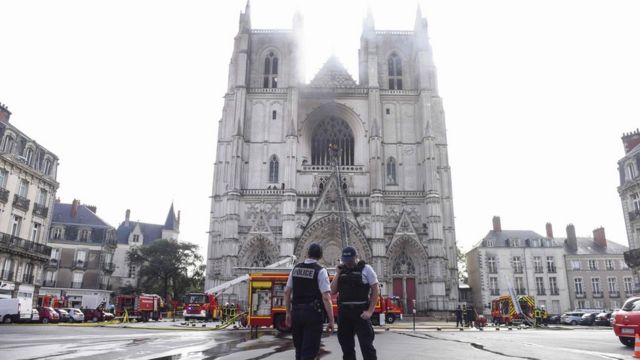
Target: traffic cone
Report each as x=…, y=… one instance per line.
x=636, y=349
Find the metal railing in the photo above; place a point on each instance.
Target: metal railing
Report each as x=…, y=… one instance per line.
x=7, y=275
x=614, y=294
x=108, y=266
x=16, y=243
x=495, y=292
x=538, y=269
x=554, y=291
x=80, y=264
x=27, y=279
x=21, y=202
x=49, y=283
x=40, y=210
x=76, y=285
x=551, y=269
x=521, y=291
x=598, y=294
x=541, y=292
x=517, y=270
x=581, y=295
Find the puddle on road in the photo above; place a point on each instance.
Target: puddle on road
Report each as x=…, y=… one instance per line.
x=243, y=342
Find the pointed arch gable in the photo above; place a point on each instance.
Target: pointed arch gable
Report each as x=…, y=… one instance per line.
x=404, y=249
x=259, y=251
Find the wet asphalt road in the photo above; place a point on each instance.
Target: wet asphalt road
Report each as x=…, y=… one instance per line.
x=52, y=342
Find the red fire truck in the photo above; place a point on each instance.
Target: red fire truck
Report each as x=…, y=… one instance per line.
x=50, y=301
x=201, y=306
x=267, y=308
x=140, y=307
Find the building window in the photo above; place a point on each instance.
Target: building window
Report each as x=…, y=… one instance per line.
x=551, y=265
x=28, y=155
x=56, y=234
x=35, y=232
x=274, y=115
x=77, y=280
x=336, y=133
x=613, y=284
x=520, y=289
x=16, y=224
x=575, y=264
x=489, y=243
x=609, y=264
x=136, y=238
x=597, y=304
x=517, y=264
x=491, y=265
x=27, y=274
x=493, y=286
x=23, y=188
x=84, y=235
x=540, y=286
x=55, y=253
x=593, y=265
x=635, y=201
x=132, y=270
x=628, y=287
x=395, y=72
x=3, y=178
x=270, y=71
x=42, y=197
x=578, y=285
x=81, y=256
x=614, y=304
x=595, y=285
x=581, y=304
x=537, y=264
x=631, y=171
x=273, y=169
x=8, y=144
x=47, y=167
x=553, y=286
x=391, y=171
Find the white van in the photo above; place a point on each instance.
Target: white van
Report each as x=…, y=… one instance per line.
x=14, y=310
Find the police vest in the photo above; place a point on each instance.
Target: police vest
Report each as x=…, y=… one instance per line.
x=350, y=286
x=304, y=278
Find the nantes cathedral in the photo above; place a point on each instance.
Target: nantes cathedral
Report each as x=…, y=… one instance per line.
x=384, y=187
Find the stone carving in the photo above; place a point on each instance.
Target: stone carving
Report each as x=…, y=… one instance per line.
x=333, y=75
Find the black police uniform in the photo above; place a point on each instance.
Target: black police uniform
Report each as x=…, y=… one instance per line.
x=307, y=310
x=353, y=299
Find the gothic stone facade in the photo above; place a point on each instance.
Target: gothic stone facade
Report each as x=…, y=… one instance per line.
x=272, y=190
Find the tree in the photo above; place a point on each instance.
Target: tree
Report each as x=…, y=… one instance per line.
x=166, y=266
x=463, y=276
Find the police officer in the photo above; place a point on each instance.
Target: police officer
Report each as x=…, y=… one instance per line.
x=311, y=300
x=357, y=285
x=459, y=322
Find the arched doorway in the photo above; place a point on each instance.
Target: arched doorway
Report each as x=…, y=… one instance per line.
x=407, y=263
x=258, y=252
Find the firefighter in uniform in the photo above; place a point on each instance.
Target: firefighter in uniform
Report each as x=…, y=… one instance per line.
x=538, y=315
x=357, y=286
x=309, y=283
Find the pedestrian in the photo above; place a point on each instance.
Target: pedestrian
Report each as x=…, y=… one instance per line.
x=458, y=317
x=357, y=286
x=470, y=316
x=311, y=300
x=464, y=315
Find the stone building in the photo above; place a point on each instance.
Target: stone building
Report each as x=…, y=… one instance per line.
x=597, y=275
x=524, y=260
x=629, y=191
x=27, y=188
x=273, y=193
x=81, y=262
x=135, y=233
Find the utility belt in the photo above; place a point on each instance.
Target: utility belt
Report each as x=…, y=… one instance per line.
x=315, y=305
x=353, y=305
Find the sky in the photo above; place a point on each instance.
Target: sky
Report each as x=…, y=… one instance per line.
x=128, y=94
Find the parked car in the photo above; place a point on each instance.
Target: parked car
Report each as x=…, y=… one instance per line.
x=612, y=320
x=48, y=315
x=64, y=315
x=571, y=318
x=627, y=321
x=75, y=314
x=35, y=315
x=108, y=316
x=93, y=315
x=554, y=319
x=603, y=319
x=588, y=319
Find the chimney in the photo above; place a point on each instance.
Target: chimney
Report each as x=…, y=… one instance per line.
x=629, y=140
x=572, y=241
x=549, y=231
x=74, y=208
x=127, y=214
x=178, y=220
x=5, y=114
x=599, y=238
x=496, y=224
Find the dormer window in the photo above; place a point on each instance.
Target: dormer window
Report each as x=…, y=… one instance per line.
x=631, y=171
x=395, y=72
x=270, y=71
x=28, y=155
x=46, y=168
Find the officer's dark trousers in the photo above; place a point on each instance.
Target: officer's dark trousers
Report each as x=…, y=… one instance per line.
x=306, y=324
x=459, y=321
x=350, y=323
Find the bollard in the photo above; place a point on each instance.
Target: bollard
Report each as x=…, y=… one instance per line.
x=414, y=315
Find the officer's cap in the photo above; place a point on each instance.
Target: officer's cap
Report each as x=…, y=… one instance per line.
x=348, y=253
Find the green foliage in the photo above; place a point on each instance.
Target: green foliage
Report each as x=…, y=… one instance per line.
x=168, y=267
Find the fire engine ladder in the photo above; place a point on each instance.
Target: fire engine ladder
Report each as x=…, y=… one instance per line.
x=514, y=299
x=216, y=290
x=342, y=198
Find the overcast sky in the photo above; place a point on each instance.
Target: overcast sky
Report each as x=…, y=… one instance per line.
x=128, y=94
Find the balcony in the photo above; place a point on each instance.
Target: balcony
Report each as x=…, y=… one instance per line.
x=27, y=279
x=538, y=270
x=495, y=292
x=20, y=202
x=634, y=215
x=76, y=285
x=551, y=270
x=40, y=210
x=493, y=270
x=49, y=283
x=17, y=246
x=53, y=263
x=614, y=294
x=517, y=270
x=79, y=264
x=581, y=295
x=597, y=295
x=7, y=275
x=4, y=195
x=108, y=267
x=541, y=292
x=105, y=286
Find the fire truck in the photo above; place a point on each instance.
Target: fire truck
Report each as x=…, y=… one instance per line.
x=504, y=311
x=208, y=305
x=50, y=301
x=267, y=307
x=143, y=307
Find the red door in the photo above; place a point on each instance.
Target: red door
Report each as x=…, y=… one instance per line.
x=397, y=288
x=411, y=293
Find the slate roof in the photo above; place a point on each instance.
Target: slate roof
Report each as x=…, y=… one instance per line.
x=171, y=222
x=150, y=232
x=333, y=75
x=586, y=246
x=84, y=216
x=500, y=237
